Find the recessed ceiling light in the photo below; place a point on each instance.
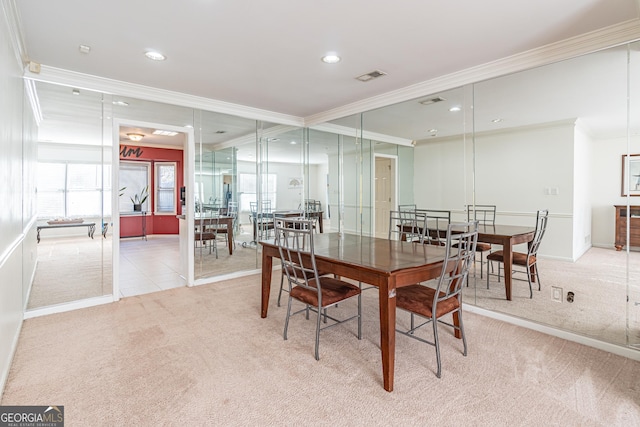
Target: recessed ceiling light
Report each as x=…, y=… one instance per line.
x=164, y=132
x=83, y=48
x=188, y=126
x=120, y=103
x=156, y=56
x=293, y=143
x=331, y=58
x=496, y=120
x=455, y=108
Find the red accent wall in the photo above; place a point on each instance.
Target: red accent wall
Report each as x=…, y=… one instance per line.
x=155, y=224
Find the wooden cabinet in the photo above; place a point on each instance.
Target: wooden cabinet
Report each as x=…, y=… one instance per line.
x=621, y=226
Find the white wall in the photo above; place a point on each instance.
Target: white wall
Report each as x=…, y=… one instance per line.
x=605, y=185
x=581, y=194
x=513, y=169
x=17, y=216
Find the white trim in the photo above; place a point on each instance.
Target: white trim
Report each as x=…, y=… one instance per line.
x=12, y=19
x=223, y=277
x=115, y=87
x=347, y=131
x=569, y=336
x=14, y=346
x=565, y=49
x=70, y=306
x=394, y=202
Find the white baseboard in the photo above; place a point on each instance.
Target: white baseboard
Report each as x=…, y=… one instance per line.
x=75, y=305
x=627, y=352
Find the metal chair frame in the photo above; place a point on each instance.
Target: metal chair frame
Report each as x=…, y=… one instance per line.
x=531, y=260
x=485, y=215
x=460, y=245
x=294, y=239
x=407, y=225
x=437, y=221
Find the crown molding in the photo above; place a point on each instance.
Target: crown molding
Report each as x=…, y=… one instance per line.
x=355, y=133
x=589, y=42
x=74, y=79
x=12, y=19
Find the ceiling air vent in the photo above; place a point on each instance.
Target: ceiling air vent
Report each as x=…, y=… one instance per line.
x=432, y=100
x=370, y=76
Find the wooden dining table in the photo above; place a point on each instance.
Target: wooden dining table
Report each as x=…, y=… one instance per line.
x=386, y=264
x=225, y=220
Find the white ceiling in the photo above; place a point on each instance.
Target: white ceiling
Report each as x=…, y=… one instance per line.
x=266, y=54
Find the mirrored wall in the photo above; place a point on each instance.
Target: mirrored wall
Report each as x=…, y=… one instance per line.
x=563, y=137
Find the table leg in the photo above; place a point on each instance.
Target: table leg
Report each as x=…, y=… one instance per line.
x=507, y=253
x=230, y=236
x=92, y=229
x=267, y=264
x=388, y=331
x=320, y=227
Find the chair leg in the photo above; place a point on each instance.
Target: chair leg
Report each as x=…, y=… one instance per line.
x=461, y=328
x=286, y=320
x=281, y=287
x=437, y=345
x=360, y=313
x=318, y=333
x=529, y=280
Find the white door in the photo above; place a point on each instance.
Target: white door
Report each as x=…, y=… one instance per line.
x=384, y=194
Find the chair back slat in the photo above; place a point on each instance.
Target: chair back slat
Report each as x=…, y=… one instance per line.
x=406, y=225
x=437, y=221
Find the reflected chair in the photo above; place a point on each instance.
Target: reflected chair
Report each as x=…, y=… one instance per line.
x=437, y=222
x=262, y=220
x=406, y=225
x=207, y=231
x=433, y=303
x=295, y=245
x=231, y=211
x=486, y=217
x=528, y=260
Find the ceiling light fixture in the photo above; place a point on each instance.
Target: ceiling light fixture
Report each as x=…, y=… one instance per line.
x=455, y=108
x=76, y=91
x=293, y=143
x=331, y=58
x=156, y=56
x=121, y=103
x=496, y=120
x=83, y=48
x=135, y=136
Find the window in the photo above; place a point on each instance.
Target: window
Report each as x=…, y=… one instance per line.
x=165, y=179
x=247, y=189
x=134, y=178
x=72, y=190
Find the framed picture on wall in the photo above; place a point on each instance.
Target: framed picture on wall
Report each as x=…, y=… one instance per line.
x=631, y=174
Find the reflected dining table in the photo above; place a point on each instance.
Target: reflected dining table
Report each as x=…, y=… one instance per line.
x=505, y=235
x=386, y=264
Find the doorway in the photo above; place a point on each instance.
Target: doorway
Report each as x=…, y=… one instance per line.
x=385, y=192
x=151, y=170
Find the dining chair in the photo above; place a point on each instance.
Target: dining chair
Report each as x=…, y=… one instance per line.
x=486, y=216
x=295, y=245
x=528, y=260
x=445, y=297
x=291, y=222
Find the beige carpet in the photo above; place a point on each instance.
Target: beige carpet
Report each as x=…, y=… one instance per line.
x=203, y=356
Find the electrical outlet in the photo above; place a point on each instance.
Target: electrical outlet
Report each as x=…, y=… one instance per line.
x=556, y=293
